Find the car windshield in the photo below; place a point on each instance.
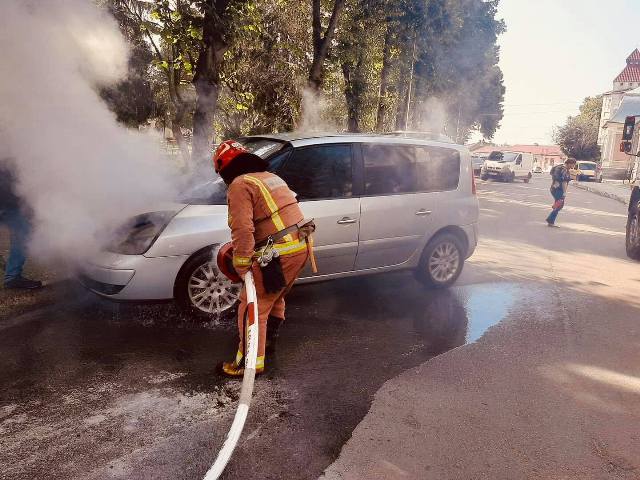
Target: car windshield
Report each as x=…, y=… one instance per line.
x=210, y=192
x=503, y=157
x=263, y=147
x=587, y=166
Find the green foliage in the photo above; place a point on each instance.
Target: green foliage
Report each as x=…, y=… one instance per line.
x=578, y=138
x=389, y=64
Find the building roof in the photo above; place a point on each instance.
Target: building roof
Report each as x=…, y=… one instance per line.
x=630, y=105
x=634, y=57
x=546, y=150
x=631, y=72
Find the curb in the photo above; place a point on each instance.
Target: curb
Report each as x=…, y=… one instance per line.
x=613, y=196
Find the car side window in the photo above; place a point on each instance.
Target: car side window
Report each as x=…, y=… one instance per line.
x=437, y=169
x=395, y=169
x=319, y=171
x=519, y=160
x=388, y=169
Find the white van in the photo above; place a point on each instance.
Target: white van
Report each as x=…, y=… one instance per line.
x=508, y=166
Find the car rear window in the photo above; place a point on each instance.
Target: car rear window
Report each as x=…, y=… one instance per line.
x=395, y=169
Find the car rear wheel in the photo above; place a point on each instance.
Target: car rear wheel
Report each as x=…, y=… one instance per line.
x=527, y=179
x=203, y=290
x=633, y=232
x=441, y=262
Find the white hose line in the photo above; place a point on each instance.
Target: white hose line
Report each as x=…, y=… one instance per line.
x=247, y=383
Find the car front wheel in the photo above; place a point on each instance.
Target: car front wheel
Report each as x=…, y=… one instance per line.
x=633, y=232
x=203, y=290
x=441, y=262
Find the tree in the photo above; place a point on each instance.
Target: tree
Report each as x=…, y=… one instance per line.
x=322, y=38
x=578, y=138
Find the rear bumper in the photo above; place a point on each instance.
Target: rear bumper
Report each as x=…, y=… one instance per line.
x=472, y=237
x=131, y=277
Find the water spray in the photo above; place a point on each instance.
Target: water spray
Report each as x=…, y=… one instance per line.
x=247, y=382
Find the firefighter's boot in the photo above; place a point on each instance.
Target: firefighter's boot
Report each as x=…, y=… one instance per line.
x=235, y=369
x=273, y=331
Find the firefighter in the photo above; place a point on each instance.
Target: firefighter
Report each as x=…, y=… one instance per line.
x=265, y=222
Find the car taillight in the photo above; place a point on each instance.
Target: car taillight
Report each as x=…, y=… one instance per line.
x=473, y=183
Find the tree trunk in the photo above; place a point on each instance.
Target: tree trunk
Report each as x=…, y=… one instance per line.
x=384, y=78
x=207, y=78
x=321, y=42
x=404, y=81
x=351, y=99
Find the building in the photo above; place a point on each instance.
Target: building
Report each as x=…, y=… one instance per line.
x=625, y=86
x=544, y=156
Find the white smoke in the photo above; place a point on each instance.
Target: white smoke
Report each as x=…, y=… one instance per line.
x=314, y=109
x=78, y=169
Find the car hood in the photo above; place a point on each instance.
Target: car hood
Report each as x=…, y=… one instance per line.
x=193, y=228
x=493, y=163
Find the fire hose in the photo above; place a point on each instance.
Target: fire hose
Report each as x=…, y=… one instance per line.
x=247, y=382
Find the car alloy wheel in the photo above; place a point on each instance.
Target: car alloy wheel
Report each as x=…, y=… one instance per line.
x=444, y=262
x=210, y=291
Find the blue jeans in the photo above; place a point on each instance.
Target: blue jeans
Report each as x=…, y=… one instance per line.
x=19, y=230
x=558, y=194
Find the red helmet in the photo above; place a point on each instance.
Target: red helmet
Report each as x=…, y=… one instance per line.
x=225, y=154
x=225, y=263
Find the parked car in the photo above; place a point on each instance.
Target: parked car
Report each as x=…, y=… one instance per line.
x=537, y=169
x=380, y=203
x=477, y=162
x=586, y=171
x=508, y=166
x=633, y=220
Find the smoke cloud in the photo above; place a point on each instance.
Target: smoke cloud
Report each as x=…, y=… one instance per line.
x=313, y=113
x=78, y=169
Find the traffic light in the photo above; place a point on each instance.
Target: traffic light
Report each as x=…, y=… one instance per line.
x=629, y=126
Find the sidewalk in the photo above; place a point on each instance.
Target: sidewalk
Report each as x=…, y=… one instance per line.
x=614, y=189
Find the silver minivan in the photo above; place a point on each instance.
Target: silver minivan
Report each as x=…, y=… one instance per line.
x=380, y=203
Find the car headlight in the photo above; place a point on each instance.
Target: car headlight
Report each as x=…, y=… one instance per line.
x=137, y=234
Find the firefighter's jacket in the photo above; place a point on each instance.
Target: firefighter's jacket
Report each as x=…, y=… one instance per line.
x=261, y=204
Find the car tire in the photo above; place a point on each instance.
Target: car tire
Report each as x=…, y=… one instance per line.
x=511, y=177
x=441, y=261
x=202, y=290
x=633, y=232
x=484, y=177
x=600, y=180
x=527, y=179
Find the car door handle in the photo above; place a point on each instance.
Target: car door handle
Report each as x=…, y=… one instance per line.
x=422, y=212
x=346, y=221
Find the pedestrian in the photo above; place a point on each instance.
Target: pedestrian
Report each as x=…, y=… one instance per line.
x=560, y=178
x=265, y=220
x=14, y=215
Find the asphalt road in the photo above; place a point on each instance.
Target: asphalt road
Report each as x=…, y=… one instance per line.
x=92, y=390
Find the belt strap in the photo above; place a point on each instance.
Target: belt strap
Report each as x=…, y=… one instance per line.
x=283, y=233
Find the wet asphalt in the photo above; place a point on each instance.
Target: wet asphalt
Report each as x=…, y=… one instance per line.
x=95, y=390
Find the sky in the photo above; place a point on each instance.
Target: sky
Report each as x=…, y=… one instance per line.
x=554, y=54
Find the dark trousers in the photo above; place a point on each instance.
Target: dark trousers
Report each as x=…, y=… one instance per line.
x=558, y=197
x=19, y=230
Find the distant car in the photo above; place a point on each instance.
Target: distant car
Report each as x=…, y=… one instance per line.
x=589, y=171
x=380, y=203
x=477, y=162
x=508, y=166
x=537, y=169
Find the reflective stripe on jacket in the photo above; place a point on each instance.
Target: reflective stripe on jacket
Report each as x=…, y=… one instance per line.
x=261, y=204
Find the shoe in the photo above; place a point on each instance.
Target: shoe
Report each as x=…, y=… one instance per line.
x=235, y=369
x=21, y=283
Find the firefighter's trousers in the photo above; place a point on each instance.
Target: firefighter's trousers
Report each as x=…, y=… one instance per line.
x=269, y=304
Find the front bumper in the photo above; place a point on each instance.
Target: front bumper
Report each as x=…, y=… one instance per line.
x=131, y=277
